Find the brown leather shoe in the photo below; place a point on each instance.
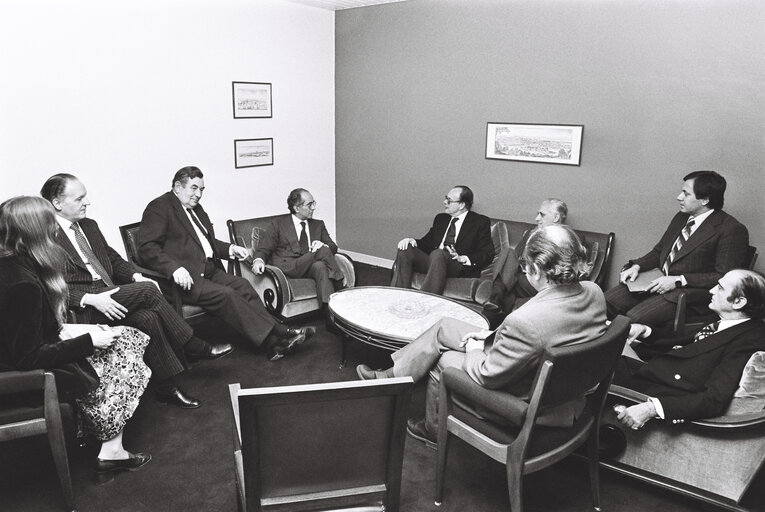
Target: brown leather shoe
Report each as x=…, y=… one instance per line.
x=419, y=431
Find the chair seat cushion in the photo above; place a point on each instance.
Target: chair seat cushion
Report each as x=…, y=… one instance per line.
x=302, y=289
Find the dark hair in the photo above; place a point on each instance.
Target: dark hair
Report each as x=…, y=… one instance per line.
x=466, y=195
x=55, y=185
x=557, y=252
x=185, y=174
x=708, y=185
x=751, y=286
x=294, y=198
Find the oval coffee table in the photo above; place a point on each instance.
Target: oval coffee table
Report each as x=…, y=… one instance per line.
x=390, y=318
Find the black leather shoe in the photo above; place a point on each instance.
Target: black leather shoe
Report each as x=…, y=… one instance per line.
x=211, y=351
x=289, y=342
x=417, y=430
x=176, y=397
x=366, y=373
x=105, y=469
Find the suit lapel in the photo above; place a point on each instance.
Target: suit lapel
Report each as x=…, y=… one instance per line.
x=707, y=229
x=183, y=218
x=287, y=230
x=464, y=229
x=713, y=341
x=74, y=256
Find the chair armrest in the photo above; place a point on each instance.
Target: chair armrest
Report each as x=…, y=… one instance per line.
x=18, y=381
x=499, y=402
x=150, y=273
x=346, y=265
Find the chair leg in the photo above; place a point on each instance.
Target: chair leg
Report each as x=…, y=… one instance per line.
x=515, y=482
x=443, y=450
x=593, y=448
x=55, y=431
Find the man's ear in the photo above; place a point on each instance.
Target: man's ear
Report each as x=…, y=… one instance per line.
x=739, y=302
x=56, y=203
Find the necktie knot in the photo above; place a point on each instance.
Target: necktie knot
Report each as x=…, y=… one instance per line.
x=706, y=331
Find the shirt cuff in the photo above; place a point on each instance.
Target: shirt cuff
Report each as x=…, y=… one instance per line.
x=469, y=264
x=646, y=333
x=657, y=406
x=682, y=280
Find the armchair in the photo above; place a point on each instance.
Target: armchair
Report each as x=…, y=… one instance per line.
x=24, y=421
x=283, y=296
x=518, y=441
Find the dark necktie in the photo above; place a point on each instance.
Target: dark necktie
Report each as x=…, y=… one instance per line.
x=681, y=239
x=451, y=233
x=199, y=224
x=89, y=255
x=707, y=330
x=303, y=239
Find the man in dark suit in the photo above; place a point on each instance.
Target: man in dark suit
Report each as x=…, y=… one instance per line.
x=458, y=244
x=177, y=240
x=301, y=246
x=104, y=288
x=697, y=377
x=701, y=243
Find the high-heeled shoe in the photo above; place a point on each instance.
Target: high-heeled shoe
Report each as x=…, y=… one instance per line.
x=106, y=468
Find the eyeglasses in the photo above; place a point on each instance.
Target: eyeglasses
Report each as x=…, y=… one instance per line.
x=448, y=200
x=311, y=204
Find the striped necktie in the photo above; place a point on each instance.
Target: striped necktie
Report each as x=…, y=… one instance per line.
x=683, y=237
x=707, y=330
x=82, y=242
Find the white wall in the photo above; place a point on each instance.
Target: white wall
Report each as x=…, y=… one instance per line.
x=123, y=94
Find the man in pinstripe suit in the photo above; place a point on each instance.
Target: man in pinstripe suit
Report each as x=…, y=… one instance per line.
x=104, y=288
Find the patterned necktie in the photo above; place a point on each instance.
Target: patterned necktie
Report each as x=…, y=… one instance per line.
x=198, y=223
x=681, y=239
x=303, y=239
x=707, y=330
x=451, y=233
x=89, y=255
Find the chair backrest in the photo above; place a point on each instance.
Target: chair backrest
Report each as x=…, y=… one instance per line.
x=579, y=368
x=751, y=257
x=247, y=233
x=321, y=444
x=129, y=234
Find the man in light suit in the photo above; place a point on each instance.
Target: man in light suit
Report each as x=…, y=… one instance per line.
x=696, y=377
x=104, y=288
x=457, y=244
x=177, y=240
x=563, y=312
x=701, y=244
x=301, y=246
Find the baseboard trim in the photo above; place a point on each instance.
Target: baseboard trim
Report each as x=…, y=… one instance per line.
x=368, y=259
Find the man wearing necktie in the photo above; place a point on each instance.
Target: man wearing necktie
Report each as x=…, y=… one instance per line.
x=301, y=246
x=105, y=288
x=701, y=243
x=696, y=377
x=177, y=240
x=458, y=244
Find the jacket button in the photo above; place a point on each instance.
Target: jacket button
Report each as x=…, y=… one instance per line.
x=677, y=376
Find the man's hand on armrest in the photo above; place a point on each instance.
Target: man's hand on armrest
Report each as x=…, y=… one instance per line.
x=258, y=266
x=637, y=415
x=238, y=252
x=406, y=242
x=182, y=278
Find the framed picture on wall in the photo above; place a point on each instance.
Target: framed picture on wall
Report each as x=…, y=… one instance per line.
x=544, y=143
x=253, y=152
x=251, y=99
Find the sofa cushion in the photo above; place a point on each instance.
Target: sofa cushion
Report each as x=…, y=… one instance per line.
x=752, y=384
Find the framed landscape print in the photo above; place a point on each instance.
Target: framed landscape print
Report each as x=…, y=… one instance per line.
x=251, y=99
x=545, y=143
x=253, y=152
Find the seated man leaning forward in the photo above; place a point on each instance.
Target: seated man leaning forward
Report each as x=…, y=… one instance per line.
x=177, y=240
x=563, y=312
x=701, y=244
x=457, y=245
x=301, y=246
x=696, y=377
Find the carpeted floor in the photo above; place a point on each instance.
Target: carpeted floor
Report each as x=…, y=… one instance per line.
x=192, y=467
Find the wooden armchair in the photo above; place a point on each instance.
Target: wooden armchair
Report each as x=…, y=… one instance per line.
x=24, y=421
x=517, y=440
x=285, y=297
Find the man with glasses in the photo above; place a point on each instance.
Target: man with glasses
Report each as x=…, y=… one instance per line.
x=458, y=244
x=301, y=246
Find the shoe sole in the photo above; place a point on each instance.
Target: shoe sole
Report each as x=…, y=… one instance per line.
x=430, y=444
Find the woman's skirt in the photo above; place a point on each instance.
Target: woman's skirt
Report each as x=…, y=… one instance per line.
x=124, y=377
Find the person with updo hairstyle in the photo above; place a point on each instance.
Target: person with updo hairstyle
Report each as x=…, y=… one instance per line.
x=100, y=368
x=564, y=311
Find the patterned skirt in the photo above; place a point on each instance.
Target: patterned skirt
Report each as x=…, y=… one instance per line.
x=124, y=377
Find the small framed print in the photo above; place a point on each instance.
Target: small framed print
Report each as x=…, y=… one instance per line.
x=253, y=152
x=251, y=99
x=545, y=143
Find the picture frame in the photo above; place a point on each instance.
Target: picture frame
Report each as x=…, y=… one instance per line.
x=541, y=143
x=253, y=152
x=251, y=99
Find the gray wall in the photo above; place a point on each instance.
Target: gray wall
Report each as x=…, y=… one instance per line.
x=662, y=88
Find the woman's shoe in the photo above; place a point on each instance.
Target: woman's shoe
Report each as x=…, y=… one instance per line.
x=106, y=468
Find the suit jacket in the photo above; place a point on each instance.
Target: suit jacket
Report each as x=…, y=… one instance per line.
x=716, y=247
x=29, y=332
x=77, y=277
x=558, y=316
x=280, y=245
x=473, y=241
x=699, y=379
x=167, y=240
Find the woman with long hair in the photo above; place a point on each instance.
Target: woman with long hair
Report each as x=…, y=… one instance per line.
x=100, y=368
